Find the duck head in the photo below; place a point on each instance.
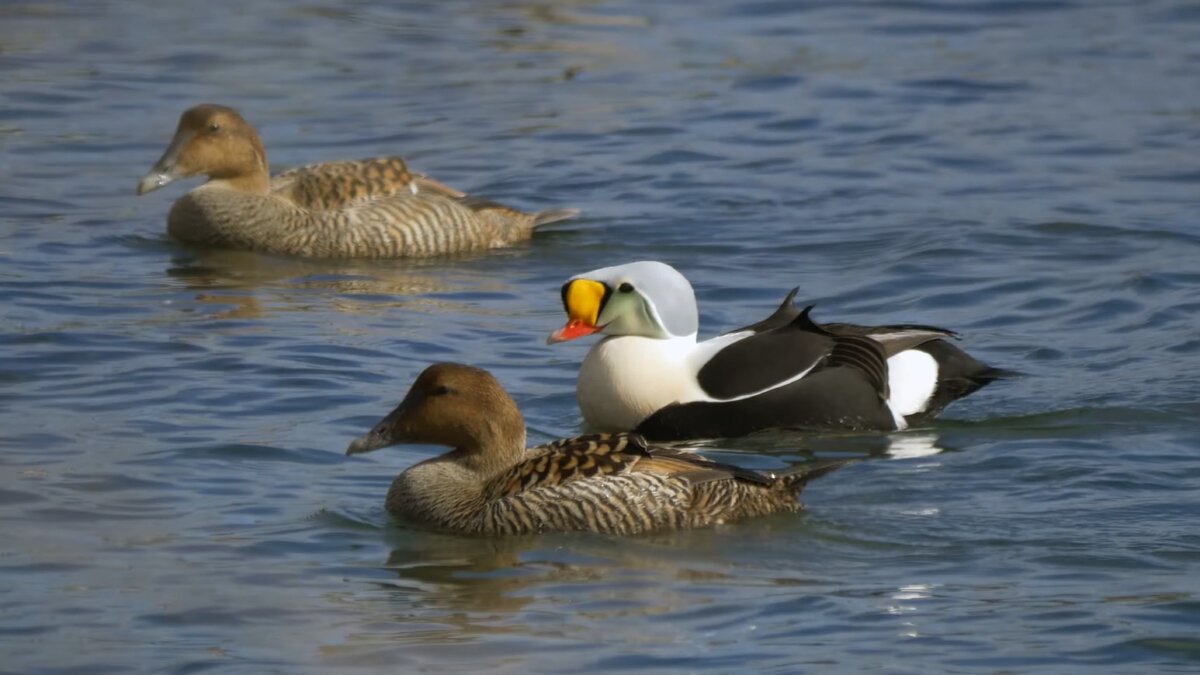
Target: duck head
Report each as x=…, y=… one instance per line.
x=646, y=298
x=454, y=405
x=212, y=140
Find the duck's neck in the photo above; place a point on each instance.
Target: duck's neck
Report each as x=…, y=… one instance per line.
x=495, y=442
x=252, y=175
x=450, y=491
x=439, y=491
x=257, y=182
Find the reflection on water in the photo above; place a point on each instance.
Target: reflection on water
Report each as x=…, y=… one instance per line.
x=455, y=590
x=908, y=446
x=806, y=445
x=238, y=279
x=214, y=268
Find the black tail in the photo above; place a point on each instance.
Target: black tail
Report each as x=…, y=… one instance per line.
x=959, y=375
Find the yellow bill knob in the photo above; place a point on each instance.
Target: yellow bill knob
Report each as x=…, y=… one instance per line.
x=582, y=299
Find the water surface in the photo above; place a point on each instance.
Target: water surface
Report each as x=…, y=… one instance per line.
x=173, y=497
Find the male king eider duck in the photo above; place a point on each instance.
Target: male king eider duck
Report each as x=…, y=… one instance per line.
x=370, y=208
x=651, y=375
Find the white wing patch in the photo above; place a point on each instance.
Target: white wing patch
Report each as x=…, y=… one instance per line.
x=912, y=377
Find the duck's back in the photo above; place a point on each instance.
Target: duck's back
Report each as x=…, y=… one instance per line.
x=392, y=226
x=610, y=484
x=633, y=503
x=335, y=185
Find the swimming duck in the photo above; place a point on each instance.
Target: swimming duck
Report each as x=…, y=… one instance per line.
x=490, y=483
x=651, y=375
x=373, y=208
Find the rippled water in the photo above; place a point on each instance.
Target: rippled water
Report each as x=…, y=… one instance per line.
x=173, y=496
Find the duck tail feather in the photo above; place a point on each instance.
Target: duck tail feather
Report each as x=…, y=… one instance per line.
x=796, y=477
x=991, y=373
x=553, y=216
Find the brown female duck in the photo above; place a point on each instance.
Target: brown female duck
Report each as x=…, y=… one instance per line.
x=372, y=208
x=610, y=483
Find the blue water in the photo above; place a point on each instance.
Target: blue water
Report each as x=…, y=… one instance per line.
x=173, y=497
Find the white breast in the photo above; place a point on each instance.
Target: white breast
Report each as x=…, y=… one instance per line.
x=624, y=379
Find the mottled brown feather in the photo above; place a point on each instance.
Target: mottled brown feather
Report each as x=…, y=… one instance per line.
x=372, y=208
x=611, y=483
x=570, y=459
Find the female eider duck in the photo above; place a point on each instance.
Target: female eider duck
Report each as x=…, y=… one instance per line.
x=650, y=374
x=490, y=483
x=373, y=208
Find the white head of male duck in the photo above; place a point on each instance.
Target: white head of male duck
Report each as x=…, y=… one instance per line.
x=489, y=483
x=372, y=208
x=650, y=374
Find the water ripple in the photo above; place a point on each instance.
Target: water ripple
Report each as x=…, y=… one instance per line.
x=173, y=419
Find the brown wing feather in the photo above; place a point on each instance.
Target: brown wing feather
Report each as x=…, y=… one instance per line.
x=427, y=184
x=691, y=462
x=335, y=185
x=571, y=459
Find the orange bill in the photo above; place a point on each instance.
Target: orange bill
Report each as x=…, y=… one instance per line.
x=582, y=299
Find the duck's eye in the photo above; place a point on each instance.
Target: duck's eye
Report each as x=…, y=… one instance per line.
x=440, y=390
x=625, y=287
x=214, y=127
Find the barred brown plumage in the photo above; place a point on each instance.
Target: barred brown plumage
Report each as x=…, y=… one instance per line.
x=608, y=483
x=372, y=208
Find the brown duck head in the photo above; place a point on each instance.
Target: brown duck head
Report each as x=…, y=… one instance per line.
x=459, y=406
x=212, y=140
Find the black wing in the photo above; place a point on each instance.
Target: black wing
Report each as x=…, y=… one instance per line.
x=895, y=338
x=836, y=397
x=845, y=387
x=773, y=356
x=765, y=359
x=785, y=314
